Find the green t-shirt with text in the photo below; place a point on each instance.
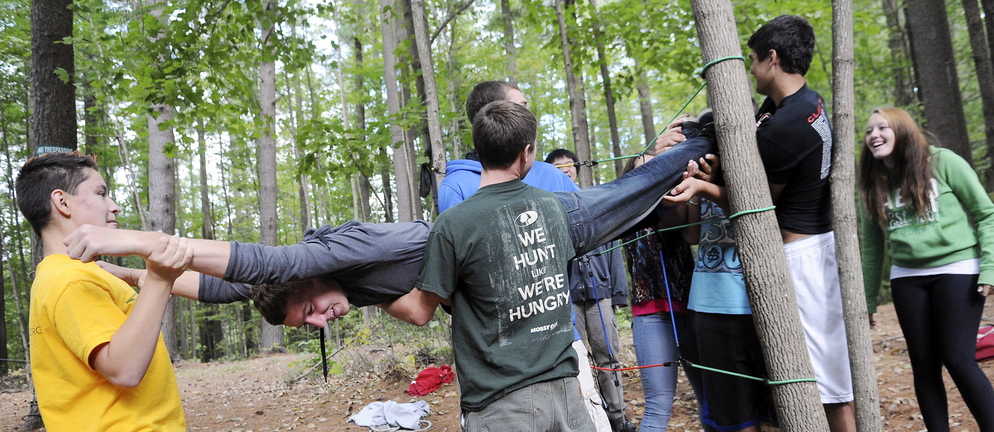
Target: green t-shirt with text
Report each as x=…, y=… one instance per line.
x=501, y=256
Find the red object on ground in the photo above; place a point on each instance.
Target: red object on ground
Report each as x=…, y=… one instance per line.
x=430, y=380
x=985, y=342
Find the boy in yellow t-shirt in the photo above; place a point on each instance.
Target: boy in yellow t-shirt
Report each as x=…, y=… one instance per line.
x=97, y=353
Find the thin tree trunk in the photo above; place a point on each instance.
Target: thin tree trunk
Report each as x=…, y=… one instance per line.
x=272, y=336
x=612, y=118
x=452, y=67
x=404, y=31
x=904, y=92
x=645, y=108
x=401, y=162
x=985, y=77
x=843, y=183
x=764, y=265
x=365, y=187
x=511, y=53
x=430, y=97
x=938, y=84
x=577, y=101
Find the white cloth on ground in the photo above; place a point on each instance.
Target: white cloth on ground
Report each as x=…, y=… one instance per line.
x=405, y=415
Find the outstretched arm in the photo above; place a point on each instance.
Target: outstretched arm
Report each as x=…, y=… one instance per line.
x=186, y=285
x=125, y=359
x=88, y=242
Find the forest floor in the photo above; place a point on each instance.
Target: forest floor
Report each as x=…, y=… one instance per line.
x=257, y=394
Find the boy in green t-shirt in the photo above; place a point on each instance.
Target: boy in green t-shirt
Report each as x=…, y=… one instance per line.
x=97, y=354
x=500, y=258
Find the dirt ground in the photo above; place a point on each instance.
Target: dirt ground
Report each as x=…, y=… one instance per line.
x=254, y=395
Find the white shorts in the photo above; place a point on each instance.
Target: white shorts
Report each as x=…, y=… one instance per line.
x=815, y=273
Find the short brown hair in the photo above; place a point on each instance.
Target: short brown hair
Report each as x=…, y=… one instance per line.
x=271, y=299
x=501, y=131
x=43, y=174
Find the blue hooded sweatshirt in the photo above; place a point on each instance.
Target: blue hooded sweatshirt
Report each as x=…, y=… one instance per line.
x=462, y=179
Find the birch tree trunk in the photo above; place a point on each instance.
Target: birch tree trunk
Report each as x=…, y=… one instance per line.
x=272, y=336
x=985, y=77
x=760, y=247
x=843, y=183
x=401, y=163
x=577, y=101
x=938, y=83
x=430, y=98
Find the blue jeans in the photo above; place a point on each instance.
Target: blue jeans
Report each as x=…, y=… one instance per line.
x=602, y=213
x=654, y=344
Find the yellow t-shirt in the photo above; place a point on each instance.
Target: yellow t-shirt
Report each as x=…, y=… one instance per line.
x=75, y=307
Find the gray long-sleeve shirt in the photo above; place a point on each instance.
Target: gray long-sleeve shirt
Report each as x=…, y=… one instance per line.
x=354, y=254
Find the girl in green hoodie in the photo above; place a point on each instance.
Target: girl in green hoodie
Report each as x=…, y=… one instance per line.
x=922, y=199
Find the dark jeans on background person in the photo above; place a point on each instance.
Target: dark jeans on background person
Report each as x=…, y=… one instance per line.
x=939, y=316
x=599, y=214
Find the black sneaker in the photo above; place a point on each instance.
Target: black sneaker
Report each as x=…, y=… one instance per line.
x=622, y=424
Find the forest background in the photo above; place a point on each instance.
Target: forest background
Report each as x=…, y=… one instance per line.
x=254, y=120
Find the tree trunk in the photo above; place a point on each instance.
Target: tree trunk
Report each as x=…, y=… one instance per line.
x=401, y=163
x=162, y=197
x=430, y=97
x=577, y=101
x=404, y=31
x=843, y=181
x=272, y=336
x=365, y=187
x=4, y=354
x=985, y=78
x=645, y=105
x=455, y=80
x=904, y=92
x=760, y=247
x=162, y=182
x=612, y=118
x=511, y=53
x=935, y=64
x=54, y=110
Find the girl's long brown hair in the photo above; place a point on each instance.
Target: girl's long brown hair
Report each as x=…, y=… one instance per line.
x=910, y=172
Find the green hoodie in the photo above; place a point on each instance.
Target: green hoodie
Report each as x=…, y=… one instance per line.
x=947, y=236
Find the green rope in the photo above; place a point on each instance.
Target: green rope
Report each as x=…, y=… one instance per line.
x=709, y=220
x=719, y=60
x=735, y=374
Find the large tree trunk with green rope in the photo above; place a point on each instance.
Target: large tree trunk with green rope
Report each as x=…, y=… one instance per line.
x=764, y=264
x=843, y=182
